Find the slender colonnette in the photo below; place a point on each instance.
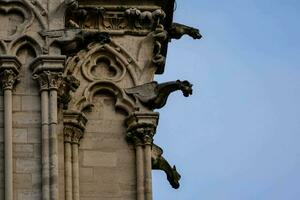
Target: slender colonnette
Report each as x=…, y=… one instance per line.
x=9, y=70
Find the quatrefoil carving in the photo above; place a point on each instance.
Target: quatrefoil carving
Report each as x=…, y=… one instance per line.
x=15, y=18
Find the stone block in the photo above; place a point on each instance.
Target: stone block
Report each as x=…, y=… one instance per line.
x=27, y=165
x=23, y=151
x=26, y=119
x=86, y=174
x=20, y=135
x=16, y=103
x=34, y=135
x=29, y=195
x=31, y=103
x=1, y=134
x=99, y=159
x=36, y=181
x=22, y=181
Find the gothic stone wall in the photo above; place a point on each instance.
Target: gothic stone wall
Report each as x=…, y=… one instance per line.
x=106, y=48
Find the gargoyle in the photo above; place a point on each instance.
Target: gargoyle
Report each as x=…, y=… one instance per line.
x=75, y=40
x=69, y=84
x=178, y=30
x=160, y=163
x=154, y=95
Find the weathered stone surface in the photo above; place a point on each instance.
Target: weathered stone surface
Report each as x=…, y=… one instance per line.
x=75, y=71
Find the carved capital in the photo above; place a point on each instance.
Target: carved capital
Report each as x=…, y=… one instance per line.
x=48, y=80
x=77, y=135
x=141, y=128
x=74, y=126
x=9, y=71
x=55, y=79
x=8, y=79
x=68, y=132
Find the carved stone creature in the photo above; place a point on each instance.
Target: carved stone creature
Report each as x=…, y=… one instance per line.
x=154, y=95
x=160, y=163
x=178, y=30
x=75, y=40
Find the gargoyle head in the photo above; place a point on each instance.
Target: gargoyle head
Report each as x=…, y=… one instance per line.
x=174, y=178
x=195, y=33
x=186, y=88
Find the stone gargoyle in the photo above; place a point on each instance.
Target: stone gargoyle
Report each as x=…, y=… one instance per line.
x=155, y=96
x=178, y=30
x=76, y=39
x=160, y=163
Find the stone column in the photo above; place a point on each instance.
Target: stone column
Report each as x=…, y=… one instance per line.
x=141, y=128
x=74, y=126
x=48, y=71
x=9, y=70
x=68, y=132
x=54, y=81
x=42, y=79
x=75, y=162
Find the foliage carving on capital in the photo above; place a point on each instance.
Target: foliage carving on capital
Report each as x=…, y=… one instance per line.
x=8, y=79
x=48, y=80
x=142, y=134
x=74, y=126
x=141, y=127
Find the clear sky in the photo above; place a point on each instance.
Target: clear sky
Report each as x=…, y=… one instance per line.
x=238, y=136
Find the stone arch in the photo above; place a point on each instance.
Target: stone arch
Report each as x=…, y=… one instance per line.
x=86, y=59
x=122, y=101
x=2, y=48
x=40, y=13
x=25, y=41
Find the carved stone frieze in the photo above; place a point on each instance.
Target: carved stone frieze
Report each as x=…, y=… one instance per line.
x=123, y=21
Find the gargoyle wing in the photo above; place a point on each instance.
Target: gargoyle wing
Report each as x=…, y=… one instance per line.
x=144, y=92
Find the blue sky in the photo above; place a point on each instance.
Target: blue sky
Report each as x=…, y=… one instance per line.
x=237, y=137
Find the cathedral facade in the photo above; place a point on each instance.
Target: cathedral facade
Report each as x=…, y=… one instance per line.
x=77, y=98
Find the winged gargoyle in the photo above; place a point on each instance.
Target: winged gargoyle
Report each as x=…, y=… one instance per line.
x=178, y=30
x=160, y=163
x=76, y=39
x=154, y=95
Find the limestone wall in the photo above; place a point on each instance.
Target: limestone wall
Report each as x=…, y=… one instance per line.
x=77, y=98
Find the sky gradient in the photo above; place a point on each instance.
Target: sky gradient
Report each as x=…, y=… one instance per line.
x=237, y=137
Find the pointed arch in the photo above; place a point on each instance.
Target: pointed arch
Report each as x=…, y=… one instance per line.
x=122, y=102
x=2, y=48
x=25, y=40
x=112, y=55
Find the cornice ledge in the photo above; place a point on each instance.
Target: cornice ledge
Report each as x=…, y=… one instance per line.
x=140, y=119
x=53, y=63
x=75, y=119
x=10, y=63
